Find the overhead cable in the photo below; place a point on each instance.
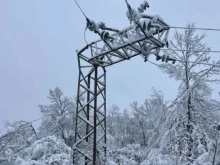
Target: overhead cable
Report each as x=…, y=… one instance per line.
x=179, y=27
x=185, y=50
x=202, y=63
x=80, y=8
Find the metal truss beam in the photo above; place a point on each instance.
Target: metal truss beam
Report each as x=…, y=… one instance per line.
x=126, y=44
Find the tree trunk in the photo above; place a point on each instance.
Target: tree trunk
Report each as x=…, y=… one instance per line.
x=216, y=147
x=189, y=132
x=143, y=134
x=189, y=128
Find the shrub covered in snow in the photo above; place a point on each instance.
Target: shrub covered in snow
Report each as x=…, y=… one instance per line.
x=156, y=158
x=130, y=155
x=49, y=150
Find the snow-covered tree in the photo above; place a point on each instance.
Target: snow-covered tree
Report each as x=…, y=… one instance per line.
x=49, y=150
x=58, y=117
x=113, y=111
x=149, y=119
x=215, y=136
x=193, y=110
x=120, y=130
x=130, y=155
x=14, y=139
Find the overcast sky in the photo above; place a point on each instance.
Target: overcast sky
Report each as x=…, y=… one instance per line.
x=39, y=38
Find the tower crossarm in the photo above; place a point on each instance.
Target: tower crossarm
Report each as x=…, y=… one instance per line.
x=128, y=42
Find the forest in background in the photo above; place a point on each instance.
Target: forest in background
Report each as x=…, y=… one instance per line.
x=155, y=132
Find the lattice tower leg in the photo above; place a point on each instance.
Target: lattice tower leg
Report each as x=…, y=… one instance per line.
x=90, y=130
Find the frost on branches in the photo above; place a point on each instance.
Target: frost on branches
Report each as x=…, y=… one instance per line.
x=21, y=143
x=193, y=110
x=58, y=117
x=14, y=139
x=49, y=150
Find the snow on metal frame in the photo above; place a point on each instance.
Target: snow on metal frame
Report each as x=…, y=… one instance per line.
x=92, y=88
x=127, y=44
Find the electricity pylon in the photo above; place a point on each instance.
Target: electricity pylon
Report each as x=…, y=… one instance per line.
x=145, y=37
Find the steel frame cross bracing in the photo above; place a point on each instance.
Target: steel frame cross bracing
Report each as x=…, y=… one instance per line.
x=90, y=130
x=90, y=135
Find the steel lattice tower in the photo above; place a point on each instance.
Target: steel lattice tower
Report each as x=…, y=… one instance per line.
x=90, y=132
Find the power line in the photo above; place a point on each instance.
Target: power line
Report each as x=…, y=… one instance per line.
x=153, y=63
x=22, y=125
x=80, y=8
x=34, y=120
x=175, y=27
x=202, y=63
x=180, y=27
x=185, y=50
x=30, y=122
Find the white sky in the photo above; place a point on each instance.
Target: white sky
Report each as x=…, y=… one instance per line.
x=38, y=42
